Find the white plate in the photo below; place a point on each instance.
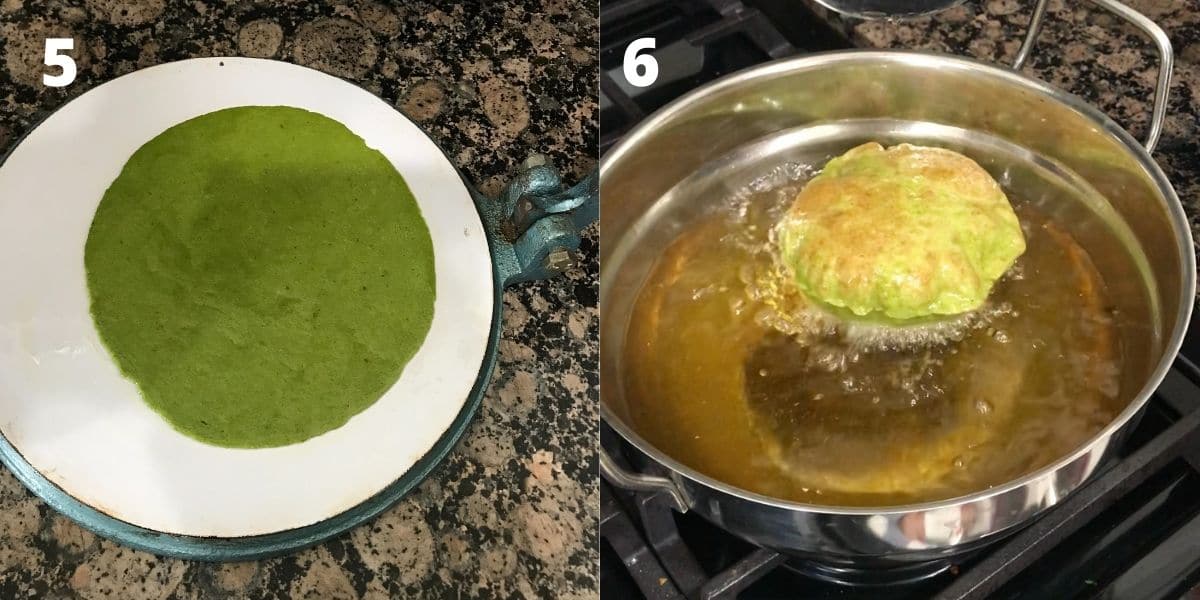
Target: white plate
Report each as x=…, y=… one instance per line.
x=69, y=412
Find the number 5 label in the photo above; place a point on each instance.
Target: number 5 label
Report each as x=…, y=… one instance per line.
x=54, y=59
x=640, y=71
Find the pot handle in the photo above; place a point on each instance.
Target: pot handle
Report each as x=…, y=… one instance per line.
x=534, y=227
x=1166, y=56
x=637, y=482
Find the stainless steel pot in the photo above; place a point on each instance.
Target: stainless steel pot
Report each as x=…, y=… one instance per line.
x=901, y=94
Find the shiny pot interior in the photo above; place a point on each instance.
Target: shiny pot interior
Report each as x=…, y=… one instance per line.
x=895, y=97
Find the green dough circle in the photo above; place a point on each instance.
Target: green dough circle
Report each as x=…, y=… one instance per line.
x=261, y=274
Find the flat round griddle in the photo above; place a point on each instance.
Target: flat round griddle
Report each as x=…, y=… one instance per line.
x=78, y=434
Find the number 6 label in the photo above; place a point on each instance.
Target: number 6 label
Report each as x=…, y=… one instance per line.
x=645, y=63
x=53, y=59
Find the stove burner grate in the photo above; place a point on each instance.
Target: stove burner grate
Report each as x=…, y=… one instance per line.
x=868, y=578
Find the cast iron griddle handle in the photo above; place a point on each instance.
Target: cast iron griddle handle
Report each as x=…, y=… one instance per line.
x=535, y=226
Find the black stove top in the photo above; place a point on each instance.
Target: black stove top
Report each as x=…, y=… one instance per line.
x=697, y=41
x=1132, y=533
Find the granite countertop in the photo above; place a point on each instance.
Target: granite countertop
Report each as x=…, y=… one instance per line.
x=512, y=512
x=1087, y=51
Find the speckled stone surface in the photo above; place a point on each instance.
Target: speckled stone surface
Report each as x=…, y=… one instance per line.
x=1086, y=51
x=513, y=511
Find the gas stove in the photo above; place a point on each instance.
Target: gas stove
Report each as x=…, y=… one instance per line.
x=1133, y=532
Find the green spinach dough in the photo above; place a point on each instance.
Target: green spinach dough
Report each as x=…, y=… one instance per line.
x=261, y=275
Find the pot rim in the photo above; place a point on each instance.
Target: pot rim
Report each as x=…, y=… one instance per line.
x=1178, y=218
